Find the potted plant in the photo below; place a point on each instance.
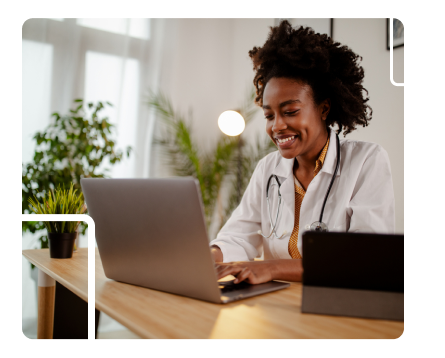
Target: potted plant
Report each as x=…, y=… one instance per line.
x=73, y=146
x=61, y=234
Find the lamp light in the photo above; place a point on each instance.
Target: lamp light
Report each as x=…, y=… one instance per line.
x=231, y=123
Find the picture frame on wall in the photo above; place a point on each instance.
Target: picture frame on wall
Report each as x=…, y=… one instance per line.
x=398, y=33
x=319, y=25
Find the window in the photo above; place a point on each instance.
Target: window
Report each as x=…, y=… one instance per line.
x=93, y=59
x=37, y=59
x=133, y=27
x=114, y=79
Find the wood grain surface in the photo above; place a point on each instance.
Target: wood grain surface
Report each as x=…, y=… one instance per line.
x=154, y=314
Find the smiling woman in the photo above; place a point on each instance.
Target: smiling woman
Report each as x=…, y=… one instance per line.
x=329, y=70
x=297, y=126
x=309, y=87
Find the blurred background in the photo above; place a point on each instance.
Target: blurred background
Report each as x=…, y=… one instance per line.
x=168, y=81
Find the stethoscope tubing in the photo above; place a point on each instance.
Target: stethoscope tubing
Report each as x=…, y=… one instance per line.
x=332, y=180
x=273, y=226
x=273, y=176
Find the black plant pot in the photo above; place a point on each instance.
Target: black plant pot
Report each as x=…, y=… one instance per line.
x=61, y=245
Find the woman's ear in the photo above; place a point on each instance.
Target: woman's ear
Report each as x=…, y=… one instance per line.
x=325, y=107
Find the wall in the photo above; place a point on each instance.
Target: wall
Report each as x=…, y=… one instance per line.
x=206, y=67
x=367, y=37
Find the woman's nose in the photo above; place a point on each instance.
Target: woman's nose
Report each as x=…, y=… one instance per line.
x=279, y=124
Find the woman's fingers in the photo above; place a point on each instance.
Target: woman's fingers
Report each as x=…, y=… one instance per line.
x=223, y=271
x=221, y=267
x=241, y=273
x=244, y=274
x=253, y=273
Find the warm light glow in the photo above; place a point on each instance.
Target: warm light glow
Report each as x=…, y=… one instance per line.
x=231, y=123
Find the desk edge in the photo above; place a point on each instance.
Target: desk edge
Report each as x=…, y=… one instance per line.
x=57, y=278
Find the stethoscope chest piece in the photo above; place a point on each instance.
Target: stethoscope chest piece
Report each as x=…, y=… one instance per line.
x=319, y=226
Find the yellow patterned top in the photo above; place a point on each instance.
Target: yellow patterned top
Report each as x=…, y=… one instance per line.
x=299, y=196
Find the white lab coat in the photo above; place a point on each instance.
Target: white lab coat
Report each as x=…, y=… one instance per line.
x=361, y=200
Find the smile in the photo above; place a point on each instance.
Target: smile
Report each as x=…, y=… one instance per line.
x=286, y=142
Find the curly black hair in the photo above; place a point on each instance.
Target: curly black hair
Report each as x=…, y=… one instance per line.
x=332, y=71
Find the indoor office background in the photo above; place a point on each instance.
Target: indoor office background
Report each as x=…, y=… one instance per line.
x=203, y=67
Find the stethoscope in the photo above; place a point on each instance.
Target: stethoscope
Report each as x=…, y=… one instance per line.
x=315, y=226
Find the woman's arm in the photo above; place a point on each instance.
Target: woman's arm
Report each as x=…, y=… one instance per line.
x=238, y=239
x=217, y=254
x=262, y=271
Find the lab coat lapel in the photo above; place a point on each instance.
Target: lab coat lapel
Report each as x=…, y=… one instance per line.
x=330, y=160
x=284, y=172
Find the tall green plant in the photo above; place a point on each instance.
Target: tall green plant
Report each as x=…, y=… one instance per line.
x=59, y=201
x=212, y=168
x=250, y=157
x=72, y=147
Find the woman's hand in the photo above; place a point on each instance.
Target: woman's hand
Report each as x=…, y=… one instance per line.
x=251, y=272
x=255, y=272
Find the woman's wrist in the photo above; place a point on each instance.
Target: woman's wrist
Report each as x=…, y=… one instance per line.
x=217, y=254
x=286, y=270
x=275, y=269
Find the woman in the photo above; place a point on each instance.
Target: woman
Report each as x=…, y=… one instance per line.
x=306, y=84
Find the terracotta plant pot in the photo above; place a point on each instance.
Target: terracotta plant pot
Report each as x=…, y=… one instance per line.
x=61, y=245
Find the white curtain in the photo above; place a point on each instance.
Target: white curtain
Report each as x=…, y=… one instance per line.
x=114, y=60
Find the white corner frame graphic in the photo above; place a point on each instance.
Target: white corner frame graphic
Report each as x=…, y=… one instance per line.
x=391, y=30
x=91, y=286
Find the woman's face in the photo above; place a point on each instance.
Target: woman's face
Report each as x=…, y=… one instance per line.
x=294, y=122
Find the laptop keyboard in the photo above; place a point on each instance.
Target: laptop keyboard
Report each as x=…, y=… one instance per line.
x=229, y=287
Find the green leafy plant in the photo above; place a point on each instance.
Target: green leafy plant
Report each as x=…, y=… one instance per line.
x=231, y=161
x=59, y=201
x=250, y=157
x=73, y=146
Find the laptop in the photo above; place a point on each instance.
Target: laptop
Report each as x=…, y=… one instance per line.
x=353, y=274
x=152, y=233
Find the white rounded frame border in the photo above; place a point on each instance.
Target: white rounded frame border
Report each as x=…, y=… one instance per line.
x=391, y=40
x=91, y=285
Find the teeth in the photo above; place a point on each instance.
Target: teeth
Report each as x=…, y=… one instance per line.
x=285, y=139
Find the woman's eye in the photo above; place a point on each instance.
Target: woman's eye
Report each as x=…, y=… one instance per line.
x=288, y=113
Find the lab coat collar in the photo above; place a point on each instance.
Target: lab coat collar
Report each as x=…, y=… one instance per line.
x=284, y=172
x=331, y=156
x=284, y=169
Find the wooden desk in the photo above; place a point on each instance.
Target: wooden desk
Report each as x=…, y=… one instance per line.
x=158, y=315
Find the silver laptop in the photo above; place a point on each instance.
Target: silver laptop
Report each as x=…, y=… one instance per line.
x=152, y=233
